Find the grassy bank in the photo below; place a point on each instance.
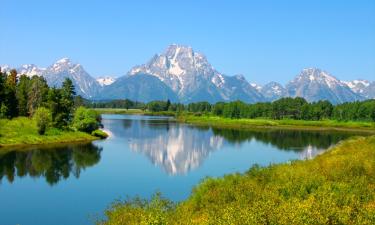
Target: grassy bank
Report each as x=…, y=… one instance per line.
x=337, y=187
x=269, y=123
x=23, y=131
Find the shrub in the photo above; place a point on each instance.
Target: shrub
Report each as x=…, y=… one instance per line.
x=86, y=120
x=43, y=118
x=100, y=134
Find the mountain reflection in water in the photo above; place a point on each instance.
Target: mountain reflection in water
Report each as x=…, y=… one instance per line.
x=177, y=148
x=180, y=148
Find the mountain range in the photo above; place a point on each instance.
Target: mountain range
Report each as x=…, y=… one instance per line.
x=183, y=75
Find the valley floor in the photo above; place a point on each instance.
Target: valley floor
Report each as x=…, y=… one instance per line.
x=337, y=187
x=23, y=131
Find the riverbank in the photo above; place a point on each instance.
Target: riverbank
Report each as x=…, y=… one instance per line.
x=221, y=122
x=23, y=131
x=337, y=187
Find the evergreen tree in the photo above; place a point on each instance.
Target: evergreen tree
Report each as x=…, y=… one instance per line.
x=67, y=102
x=37, y=93
x=54, y=104
x=2, y=87
x=10, y=94
x=22, y=92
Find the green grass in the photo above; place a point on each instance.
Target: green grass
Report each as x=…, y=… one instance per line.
x=100, y=134
x=269, y=123
x=23, y=131
x=337, y=187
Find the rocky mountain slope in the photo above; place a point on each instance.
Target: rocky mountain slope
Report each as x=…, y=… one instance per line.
x=184, y=75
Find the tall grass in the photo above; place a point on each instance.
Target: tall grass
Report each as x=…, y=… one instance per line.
x=337, y=187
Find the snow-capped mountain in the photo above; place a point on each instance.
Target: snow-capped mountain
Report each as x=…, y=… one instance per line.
x=357, y=86
x=4, y=68
x=142, y=88
x=27, y=69
x=105, y=81
x=314, y=85
x=182, y=75
x=85, y=85
x=364, y=88
x=273, y=91
x=192, y=78
x=369, y=91
x=256, y=86
x=30, y=70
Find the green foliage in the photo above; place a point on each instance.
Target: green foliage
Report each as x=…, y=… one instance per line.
x=9, y=93
x=22, y=92
x=3, y=111
x=43, y=119
x=54, y=164
x=86, y=120
x=100, y=134
x=66, y=104
x=337, y=187
x=140, y=211
x=199, y=107
x=281, y=109
x=288, y=108
x=364, y=111
x=37, y=94
x=116, y=104
x=24, y=131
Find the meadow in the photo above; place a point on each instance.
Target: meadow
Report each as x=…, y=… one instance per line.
x=24, y=131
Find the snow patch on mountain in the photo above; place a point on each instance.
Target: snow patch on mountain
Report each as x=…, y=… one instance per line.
x=192, y=77
x=256, y=86
x=314, y=84
x=5, y=68
x=358, y=86
x=105, y=81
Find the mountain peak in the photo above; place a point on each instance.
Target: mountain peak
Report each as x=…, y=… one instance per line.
x=105, y=81
x=64, y=64
x=177, y=66
x=316, y=75
x=315, y=84
x=64, y=60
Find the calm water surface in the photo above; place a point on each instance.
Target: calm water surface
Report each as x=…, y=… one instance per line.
x=72, y=184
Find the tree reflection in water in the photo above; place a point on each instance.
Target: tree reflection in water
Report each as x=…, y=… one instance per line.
x=180, y=148
x=53, y=163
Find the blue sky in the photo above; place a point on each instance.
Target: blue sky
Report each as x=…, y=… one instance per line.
x=264, y=40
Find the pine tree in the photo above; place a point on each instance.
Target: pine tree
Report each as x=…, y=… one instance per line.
x=67, y=103
x=54, y=104
x=10, y=94
x=22, y=92
x=37, y=93
x=2, y=87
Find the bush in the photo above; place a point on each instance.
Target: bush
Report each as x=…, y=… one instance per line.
x=86, y=120
x=43, y=118
x=100, y=134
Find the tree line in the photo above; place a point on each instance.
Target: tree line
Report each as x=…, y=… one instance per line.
x=285, y=108
x=49, y=106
